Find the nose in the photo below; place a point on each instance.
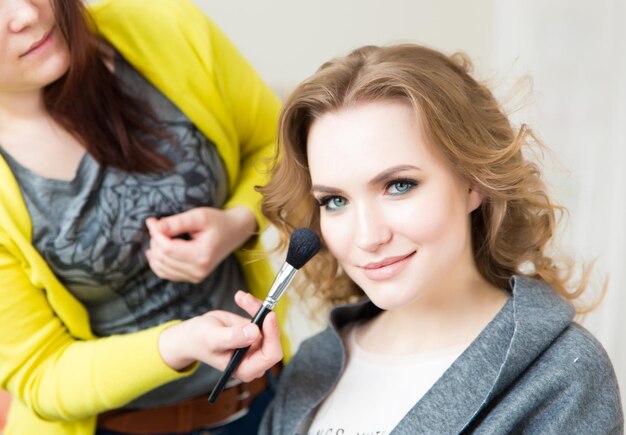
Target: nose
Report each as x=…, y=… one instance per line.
x=373, y=230
x=23, y=14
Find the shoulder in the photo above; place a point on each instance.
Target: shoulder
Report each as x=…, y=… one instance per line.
x=325, y=346
x=578, y=356
x=569, y=386
x=143, y=7
x=147, y=15
x=572, y=384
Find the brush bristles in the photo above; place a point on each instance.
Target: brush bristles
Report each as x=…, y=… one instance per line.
x=303, y=245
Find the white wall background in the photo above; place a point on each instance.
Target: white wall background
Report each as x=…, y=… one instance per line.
x=575, y=51
x=287, y=40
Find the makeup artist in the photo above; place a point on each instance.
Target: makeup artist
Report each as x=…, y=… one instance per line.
x=131, y=137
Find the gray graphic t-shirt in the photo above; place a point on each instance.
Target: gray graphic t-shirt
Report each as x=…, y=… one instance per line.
x=91, y=231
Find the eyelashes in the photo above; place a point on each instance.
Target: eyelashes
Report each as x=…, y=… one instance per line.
x=332, y=202
x=394, y=188
x=400, y=186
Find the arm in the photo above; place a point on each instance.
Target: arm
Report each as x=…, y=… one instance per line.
x=254, y=110
x=192, y=62
x=58, y=376
x=186, y=57
x=62, y=378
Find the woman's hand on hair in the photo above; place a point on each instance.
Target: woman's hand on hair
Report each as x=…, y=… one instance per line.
x=212, y=338
x=209, y=235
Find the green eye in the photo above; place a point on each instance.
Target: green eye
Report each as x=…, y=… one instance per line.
x=332, y=203
x=335, y=203
x=400, y=187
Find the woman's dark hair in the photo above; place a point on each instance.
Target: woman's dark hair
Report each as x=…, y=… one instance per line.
x=88, y=101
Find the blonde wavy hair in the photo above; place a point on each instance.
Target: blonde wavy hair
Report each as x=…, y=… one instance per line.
x=512, y=228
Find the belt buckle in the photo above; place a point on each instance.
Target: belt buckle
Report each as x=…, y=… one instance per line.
x=242, y=394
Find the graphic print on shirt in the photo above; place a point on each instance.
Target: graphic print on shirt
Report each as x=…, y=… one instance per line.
x=106, y=237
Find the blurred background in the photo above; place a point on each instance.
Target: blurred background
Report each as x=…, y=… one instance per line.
x=573, y=50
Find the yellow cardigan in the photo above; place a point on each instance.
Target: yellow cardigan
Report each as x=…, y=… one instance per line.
x=59, y=374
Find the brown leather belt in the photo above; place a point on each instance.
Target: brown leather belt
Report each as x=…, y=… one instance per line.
x=189, y=415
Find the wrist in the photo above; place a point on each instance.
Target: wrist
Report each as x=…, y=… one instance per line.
x=173, y=346
x=244, y=220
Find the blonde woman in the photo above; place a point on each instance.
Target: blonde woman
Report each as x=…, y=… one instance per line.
x=449, y=314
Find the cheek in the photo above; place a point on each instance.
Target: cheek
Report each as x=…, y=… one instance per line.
x=336, y=235
x=436, y=216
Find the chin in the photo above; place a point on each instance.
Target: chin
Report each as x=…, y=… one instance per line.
x=54, y=71
x=390, y=299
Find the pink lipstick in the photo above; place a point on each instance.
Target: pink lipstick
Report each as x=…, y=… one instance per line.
x=39, y=45
x=387, y=268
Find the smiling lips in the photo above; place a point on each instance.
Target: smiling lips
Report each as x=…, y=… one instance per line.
x=38, y=44
x=387, y=268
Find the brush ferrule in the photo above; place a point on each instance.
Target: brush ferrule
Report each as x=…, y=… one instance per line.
x=280, y=284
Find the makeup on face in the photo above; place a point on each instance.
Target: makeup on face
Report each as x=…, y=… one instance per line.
x=40, y=45
x=387, y=268
x=392, y=212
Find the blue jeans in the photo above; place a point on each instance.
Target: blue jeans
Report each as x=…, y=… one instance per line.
x=246, y=425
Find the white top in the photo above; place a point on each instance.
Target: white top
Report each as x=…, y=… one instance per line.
x=377, y=390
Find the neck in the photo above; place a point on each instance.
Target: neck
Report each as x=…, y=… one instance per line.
x=20, y=107
x=451, y=313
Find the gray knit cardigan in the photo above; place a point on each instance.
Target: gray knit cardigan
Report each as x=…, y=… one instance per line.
x=532, y=370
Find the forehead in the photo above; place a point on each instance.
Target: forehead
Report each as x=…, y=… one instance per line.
x=366, y=139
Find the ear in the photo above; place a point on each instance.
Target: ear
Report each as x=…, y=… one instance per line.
x=474, y=199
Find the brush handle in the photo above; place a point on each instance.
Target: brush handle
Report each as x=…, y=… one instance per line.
x=235, y=360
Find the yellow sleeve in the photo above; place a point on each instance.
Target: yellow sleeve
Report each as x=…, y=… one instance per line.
x=254, y=109
x=58, y=376
x=184, y=54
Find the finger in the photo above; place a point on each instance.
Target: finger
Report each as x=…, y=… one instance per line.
x=163, y=271
x=150, y=225
x=192, y=271
x=247, y=302
x=268, y=350
x=199, y=252
x=271, y=347
x=227, y=318
x=189, y=221
x=226, y=338
x=162, y=241
x=255, y=346
x=257, y=361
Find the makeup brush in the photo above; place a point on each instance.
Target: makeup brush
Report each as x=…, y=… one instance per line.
x=303, y=245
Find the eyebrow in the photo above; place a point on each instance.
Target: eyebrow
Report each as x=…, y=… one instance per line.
x=390, y=172
x=324, y=189
x=383, y=176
